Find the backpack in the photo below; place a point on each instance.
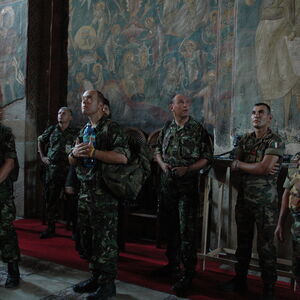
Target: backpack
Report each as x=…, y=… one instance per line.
x=14, y=173
x=294, y=198
x=126, y=181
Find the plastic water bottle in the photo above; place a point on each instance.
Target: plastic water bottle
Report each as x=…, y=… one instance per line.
x=89, y=136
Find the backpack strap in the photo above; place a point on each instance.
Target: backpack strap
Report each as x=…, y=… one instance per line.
x=105, y=130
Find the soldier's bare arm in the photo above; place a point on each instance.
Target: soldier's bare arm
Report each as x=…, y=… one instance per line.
x=88, y=150
x=263, y=167
x=6, y=168
x=110, y=157
x=284, y=210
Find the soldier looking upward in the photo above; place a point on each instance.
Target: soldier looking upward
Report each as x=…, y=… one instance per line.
x=97, y=206
x=54, y=146
x=183, y=149
x=257, y=159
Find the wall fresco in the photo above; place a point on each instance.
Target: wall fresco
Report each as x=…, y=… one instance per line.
x=140, y=53
x=13, y=24
x=267, y=63
x=224, y=54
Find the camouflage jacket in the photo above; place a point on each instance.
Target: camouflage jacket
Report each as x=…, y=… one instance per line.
x=252, y=149
x=183, y=146
x=109, y=137
x=7, y=147
x=292, y=183
x=59, y=143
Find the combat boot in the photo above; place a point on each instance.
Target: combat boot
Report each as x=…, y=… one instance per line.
x=49, y=232
x=13, y=275
x=236, y=284
x=87, y=286
x=104, y=292
x=183, y=284
x=269, y=291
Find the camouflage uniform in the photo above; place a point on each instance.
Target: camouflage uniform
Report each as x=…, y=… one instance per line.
x=59, y=145
x=257, y=203
x=181, y=146
x=97, y=207
x=292, y=183
x=8, y=238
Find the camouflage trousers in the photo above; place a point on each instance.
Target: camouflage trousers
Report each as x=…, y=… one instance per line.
x=98, y=223
x=264, y=216
x=9, y=248
x=54, y=185
x=296, y=244
x=178, y=214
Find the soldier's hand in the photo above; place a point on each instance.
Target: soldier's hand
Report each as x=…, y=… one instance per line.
x=275, y=169
x=235, y=165
x=279, y=233
x=69, y=190
x=166, y=168
x=81, y=149
x=46, y=160
x=180, y=171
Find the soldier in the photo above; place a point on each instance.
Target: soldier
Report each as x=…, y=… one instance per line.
x=183, y=149
x=54, y=146
x=258, y=155
x=291, y=203
x=9, y=248
x=97, y=207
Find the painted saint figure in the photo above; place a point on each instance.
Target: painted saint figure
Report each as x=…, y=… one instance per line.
x=275, y=72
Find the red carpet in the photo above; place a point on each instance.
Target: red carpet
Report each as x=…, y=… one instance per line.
x=135, y=265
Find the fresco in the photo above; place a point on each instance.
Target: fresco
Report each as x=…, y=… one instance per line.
x=226, y=55
x=13, y=24
x=225, y=77
x=140, y=53
x=267, y=63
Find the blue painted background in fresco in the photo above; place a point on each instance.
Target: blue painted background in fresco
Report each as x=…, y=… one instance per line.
x=13, y=44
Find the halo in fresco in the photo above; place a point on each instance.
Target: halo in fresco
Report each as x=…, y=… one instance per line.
x=85, y=38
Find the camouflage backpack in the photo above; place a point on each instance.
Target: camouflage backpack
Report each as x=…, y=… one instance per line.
x=14, y=174
x=294, y=199
x=126, y=181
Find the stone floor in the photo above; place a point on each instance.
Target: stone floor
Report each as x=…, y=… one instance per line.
x=48, y=281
